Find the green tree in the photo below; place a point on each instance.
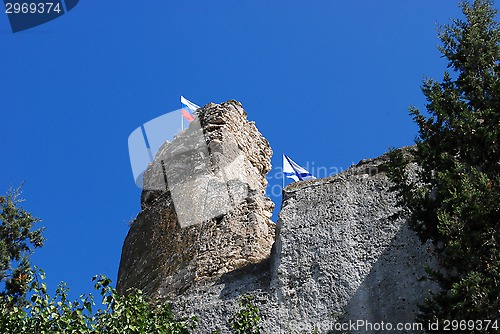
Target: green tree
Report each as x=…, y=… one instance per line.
x=26, y=306
x=132, y=313
x=18, y=240
x=135, y=313
x=454, y=195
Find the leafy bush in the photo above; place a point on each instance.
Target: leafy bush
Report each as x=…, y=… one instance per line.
x=130, y=313
x=246, y=321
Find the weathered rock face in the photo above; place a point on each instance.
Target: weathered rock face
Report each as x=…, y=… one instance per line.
x=338, y=248
x=204, y=212
x=339, y=253
x=341, y=250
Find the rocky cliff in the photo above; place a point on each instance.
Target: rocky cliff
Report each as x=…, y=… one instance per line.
x=341, y=251
x=338, y=250
x=204, y=212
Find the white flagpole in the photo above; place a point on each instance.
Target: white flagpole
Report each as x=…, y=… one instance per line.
x=182, y=122
x=283, y=173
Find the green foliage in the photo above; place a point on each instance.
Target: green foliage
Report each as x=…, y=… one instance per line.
x=41, y=313
x=134, y=313
x=131, y=313
x=246, y=321
x=18, y=240
x=26, y=307
x=454, y=196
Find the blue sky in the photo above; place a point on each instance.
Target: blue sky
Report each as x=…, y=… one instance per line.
x=327, y=82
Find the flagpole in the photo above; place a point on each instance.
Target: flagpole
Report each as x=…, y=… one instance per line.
x=283, y=174
x=182, y=122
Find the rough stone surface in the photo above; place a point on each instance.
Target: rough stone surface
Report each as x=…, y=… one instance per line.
x=338, y=250
x=204, y=212
x=341, y=250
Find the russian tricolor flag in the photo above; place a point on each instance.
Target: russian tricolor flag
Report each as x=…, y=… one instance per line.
x=188, y=108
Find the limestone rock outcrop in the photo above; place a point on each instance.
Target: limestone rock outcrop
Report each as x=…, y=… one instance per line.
x=204, y=212
x=340, y=255
x=340, y=247
x=344, y=250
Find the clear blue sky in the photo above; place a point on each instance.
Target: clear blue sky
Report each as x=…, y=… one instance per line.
x=327, y=82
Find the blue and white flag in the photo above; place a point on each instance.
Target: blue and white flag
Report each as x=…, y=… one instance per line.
x=294, y=171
